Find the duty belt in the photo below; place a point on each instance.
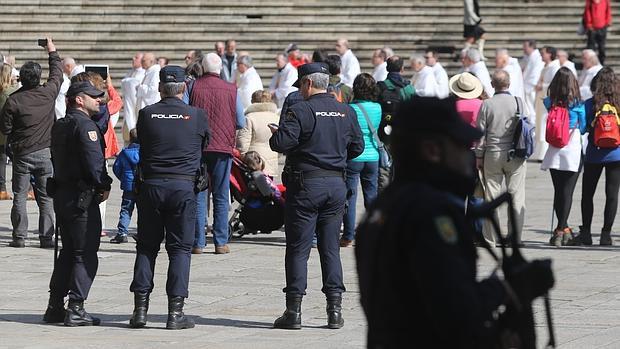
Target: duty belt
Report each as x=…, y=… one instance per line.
x=322, y=173
x=170, y=176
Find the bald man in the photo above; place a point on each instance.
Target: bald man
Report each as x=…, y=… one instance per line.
x=511, y=66
x=129, y=85
x=591, y=66
x=350, y=68
x=148, y=91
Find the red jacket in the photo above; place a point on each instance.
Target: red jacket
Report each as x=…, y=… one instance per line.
x=597, y=16
x=219, y=99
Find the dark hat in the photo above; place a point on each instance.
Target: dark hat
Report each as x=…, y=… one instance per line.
x=291, y=47
x=84, y=87
x=171, y=73
x=433, y=116
x=310, y=68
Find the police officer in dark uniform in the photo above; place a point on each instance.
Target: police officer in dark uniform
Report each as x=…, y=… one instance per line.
x=415, y=251
x=318, y=136
x=80, y=183
x=172, y=136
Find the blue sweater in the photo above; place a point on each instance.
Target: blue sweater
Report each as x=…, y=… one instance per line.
x=373, y=109
x=125, y=166
x=594, y=154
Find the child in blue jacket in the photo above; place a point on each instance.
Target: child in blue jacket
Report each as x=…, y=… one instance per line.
x=125, y=170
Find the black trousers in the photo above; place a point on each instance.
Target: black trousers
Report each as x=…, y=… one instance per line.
x=591, y=175
x=166, y=209
x=564, y=183
x=3, y=159
x=316, y=206
x=77, y=262
x=597, y=38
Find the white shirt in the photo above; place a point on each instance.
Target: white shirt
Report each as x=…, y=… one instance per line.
x=570, y=65
x=60, y=106
x=516, y=78
x=585, y=79
x=548, y=73
x=380, y=72
x=249, y=82
x=130, y=82
x=481, y=72
x=282, y=83
x=533, y=69
x=350, y=68
x=148, y=91
x=424, y=82
x=441, y=77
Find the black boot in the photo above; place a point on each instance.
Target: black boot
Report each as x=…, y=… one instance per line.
x=141, y=306
x=55, y=311
x=77, y=316
x=605, y=239
x=176, y=319
x=334, y=311
x=291, y=319
x=583, y=239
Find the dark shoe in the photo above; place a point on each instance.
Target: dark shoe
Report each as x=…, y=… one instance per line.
x=583, y=239
x=345, y=242
x=334, y=311
x=567, y=237
x=556, y=238
x=141, y=307
x=606, y=239
x=77, y=316
x=197, y=250
x=291, y=319
x=119, y=239
x=222, y=249
x=176, y=319
x=55, y=311
x=46, y=243
x=19, y=243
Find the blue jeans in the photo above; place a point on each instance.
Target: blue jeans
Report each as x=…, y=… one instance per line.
x=368, y=172
x=200, y=239
x=218, y=166
x=127, y=205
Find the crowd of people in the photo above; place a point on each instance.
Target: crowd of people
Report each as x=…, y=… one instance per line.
x=333, y=122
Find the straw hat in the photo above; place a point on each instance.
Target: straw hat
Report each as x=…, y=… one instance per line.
x=466, y=86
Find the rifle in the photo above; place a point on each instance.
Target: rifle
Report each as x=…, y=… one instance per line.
x=518, y=319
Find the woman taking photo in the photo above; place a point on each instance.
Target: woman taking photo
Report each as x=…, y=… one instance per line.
x=365, y=166
x=605, y=91
x=565, y=163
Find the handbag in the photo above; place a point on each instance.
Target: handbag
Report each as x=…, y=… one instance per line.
x=385, y=159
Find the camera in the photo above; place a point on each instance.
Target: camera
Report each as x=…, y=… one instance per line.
x=42, y=42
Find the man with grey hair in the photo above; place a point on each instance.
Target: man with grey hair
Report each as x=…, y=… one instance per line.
x=350, y=65
x=172, y=136
x=497, y=121
x=591, y=66
x=473, y=63
x=379, y=72
x=318, y=136
x=225, y=113
x=511, y=65
x=69, y=69
x=565, y=62
x=284, y=78
x=229, y=61
x=423, y=77
x=249, y=80
x=147, y=92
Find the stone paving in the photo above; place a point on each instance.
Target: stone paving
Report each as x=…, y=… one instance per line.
x=234, y=298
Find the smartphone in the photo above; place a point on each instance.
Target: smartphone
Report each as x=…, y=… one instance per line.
x=274, y=126
x=42, y=42
x=100, y=69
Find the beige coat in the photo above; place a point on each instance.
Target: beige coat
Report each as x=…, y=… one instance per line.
x=255, y=135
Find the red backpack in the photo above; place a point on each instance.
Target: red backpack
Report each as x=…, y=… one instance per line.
x=557, y=130
x=605, y=126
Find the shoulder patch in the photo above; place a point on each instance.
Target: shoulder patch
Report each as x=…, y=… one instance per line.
x=446, y=229
x=92, y=135
x=290, y=115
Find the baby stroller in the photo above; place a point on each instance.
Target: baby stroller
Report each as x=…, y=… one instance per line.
x=247, y=186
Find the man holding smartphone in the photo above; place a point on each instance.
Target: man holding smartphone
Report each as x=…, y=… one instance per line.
x=27, y=120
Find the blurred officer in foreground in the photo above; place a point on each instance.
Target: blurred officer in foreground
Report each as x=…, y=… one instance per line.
x=416, y=258
x=318, y=136
x=172, y=136
x=80, y=183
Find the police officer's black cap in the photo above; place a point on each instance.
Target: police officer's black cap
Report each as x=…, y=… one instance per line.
x=310, y=68
x=433, y=116
x=84, y=87
x=171, y=73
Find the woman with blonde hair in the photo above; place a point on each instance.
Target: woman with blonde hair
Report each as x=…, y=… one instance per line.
x=6, y=88
x=255, y=135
